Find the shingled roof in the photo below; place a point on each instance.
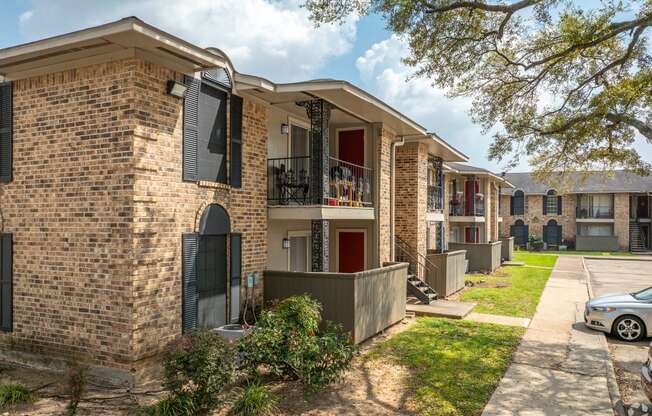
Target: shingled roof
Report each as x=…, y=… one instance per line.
x=464, y=169
x=583, y=182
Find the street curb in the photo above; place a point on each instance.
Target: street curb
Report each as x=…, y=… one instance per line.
x=612, y=383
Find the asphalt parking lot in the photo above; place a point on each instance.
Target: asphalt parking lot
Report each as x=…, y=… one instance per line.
x=613, y=276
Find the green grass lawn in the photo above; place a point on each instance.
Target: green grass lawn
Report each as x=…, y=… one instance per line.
x=457, y=364
x=535, y=259
x=518, y=296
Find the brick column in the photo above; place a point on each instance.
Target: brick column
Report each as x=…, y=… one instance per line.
x=320, y=243
x=621, y=220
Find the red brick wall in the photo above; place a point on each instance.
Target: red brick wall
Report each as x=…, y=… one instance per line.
x=70, y=209
x=166, y=207
x=412, y=195
x=98, y=207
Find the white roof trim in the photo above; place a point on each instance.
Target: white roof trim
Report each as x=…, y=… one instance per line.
x=111, y=34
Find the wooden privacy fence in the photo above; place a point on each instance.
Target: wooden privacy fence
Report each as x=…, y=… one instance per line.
x=365, y=303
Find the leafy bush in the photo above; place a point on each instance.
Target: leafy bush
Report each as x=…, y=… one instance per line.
x=256, y=399
x=197, y=368
x=287, y=340
x=12, y=394
x=536, y=243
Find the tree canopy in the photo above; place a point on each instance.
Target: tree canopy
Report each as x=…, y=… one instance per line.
x=567, y=84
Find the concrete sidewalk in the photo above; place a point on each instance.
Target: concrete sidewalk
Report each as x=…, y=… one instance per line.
x=561, y=367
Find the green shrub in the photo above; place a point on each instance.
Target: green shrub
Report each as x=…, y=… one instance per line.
x=287, y=340
x=12, y=394
x=256, y=399
x=536, y=243
x=174, y=405
x=197, y=368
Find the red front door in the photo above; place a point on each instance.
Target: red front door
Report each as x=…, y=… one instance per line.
x=472, y=235
x=350, y=144
x=351, y=251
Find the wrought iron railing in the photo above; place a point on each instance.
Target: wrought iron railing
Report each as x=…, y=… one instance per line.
x=435, y=198
x=349, y=184
x=419, y=265
x=288, y=181
x=459, y=206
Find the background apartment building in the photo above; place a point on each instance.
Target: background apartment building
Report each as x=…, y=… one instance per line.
x=593, y=211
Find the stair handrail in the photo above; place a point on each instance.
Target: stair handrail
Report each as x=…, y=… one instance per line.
x=419, y=259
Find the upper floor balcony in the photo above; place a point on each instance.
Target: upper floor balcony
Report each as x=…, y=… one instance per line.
x=595, y=207
x=467, y=205
x=291, y=181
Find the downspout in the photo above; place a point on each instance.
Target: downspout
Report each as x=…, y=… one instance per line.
x=392, y=210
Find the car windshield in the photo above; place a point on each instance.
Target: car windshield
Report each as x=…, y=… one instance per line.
x=645, y=294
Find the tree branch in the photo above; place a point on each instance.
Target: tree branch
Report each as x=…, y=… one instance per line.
x=642, y=127
x=476, y=5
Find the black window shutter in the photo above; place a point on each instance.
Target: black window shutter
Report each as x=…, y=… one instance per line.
x=236, y=274
x=511, y=205
x=236, y=141
x=6, y=131
x=190, y=294
x=6, y=282
x=559, y=205
x=191, y=128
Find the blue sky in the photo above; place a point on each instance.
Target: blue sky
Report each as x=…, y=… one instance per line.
x=275, y=39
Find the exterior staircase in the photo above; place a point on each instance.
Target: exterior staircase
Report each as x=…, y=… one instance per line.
x=418, y=269
x=635, y=238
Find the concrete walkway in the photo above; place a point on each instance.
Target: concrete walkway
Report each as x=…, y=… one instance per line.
x=561, y=367
x=498, y=319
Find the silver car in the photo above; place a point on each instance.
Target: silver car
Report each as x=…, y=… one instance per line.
x=627, y=316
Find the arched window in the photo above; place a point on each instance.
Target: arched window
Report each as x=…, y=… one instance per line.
x=520, y=232
x=214, y=221
x=207, y=269
x=552, y=233
x=517, y=206
x=551, y=203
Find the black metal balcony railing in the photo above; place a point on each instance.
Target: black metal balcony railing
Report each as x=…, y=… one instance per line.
x=288, y=182
x=349, y=184
x=435, y=198
x=459, y=207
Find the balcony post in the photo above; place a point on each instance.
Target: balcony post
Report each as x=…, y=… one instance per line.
x=319, y=112
x=320, y=243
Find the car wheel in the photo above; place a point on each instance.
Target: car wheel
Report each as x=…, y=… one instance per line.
x=629, y=328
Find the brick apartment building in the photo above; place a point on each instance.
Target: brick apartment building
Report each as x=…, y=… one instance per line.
x=593, y=211
x=144, y=181
x=473, y=212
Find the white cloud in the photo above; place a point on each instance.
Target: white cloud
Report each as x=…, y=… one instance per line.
x=273, y=38
x=384, y=74
x=24, y=17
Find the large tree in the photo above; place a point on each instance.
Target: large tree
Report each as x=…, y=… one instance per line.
x=568, y=84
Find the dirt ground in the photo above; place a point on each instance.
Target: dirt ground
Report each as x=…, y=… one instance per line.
x=368, y=388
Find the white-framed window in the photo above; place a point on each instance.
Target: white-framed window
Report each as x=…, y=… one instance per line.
x=551, y=203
